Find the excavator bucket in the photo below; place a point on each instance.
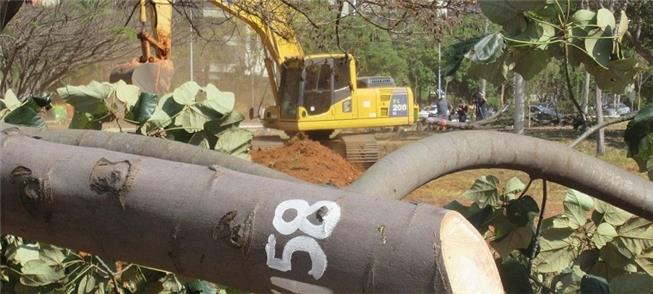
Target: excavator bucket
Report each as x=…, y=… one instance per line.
x=151, y=77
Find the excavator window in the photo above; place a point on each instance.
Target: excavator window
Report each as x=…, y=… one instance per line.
x=318, y=87
x=290, y=84
x=341, y=79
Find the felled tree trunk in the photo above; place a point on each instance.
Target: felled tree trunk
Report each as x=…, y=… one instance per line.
x=245, y=231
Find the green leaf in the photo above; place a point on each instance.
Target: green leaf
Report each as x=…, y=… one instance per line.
x=623, y=26
x=569, y=281
x=615, y=258
x=221, y=102
x=158, y=121
x=514, y=276
x=199, y=139
x=636, y=234
x=86, y=284
x=618, y=75
x=577, y=205
x=530, y=62
x=557, y=250
x=52, y=255
x=599, y=45
x=645, y=261
x=216, y=127
x=24, y=253
x=518, y=238
x=186, y=93
x=583, y=18
x=612, y=214
x=484, y=191
x=235, y=142
x=514, y=187
x=604, y=233
x=24, y=115
x=144, y=107
x=487, y=50
x=508, y=13
x=84, y=120
x=90, y=98
x=633, y=283
x=39, y=273
x=129, y=94
x=192, y=118
x=591, y=284
x=10, y=100
x=639, y=137
x=605, y=19
x=522, y=211
x=200, y=286
x=474, y=214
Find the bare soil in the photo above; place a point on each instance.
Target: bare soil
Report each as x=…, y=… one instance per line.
x=309, y=161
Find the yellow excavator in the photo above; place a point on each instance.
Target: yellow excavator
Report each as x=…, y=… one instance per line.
x=314, y=94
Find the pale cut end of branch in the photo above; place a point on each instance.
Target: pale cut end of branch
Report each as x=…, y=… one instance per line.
x=467, y=257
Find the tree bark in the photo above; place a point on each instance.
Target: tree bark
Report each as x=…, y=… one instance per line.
x=412, y=166
x=600, y=138
x=151, y=147
x=586, y=92
x=230, y=228
x=519, y=84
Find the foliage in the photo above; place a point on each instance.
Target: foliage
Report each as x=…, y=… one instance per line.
x=535, y=31
x=25, y=112
x=202, y=116
x=639, y=137
x=592, y=247
x=31, y=267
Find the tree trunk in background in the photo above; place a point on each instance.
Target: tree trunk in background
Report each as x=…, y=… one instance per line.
x=519, y=83
x=586, y=92
x=600, y=138
x=503, y=93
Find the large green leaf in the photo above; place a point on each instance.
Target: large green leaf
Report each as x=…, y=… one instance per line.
x=25, y=115
x=529, y=62
x=24, y=253
x=487, y=50
x=514, y=276
x=144, y=107
x=509, y=13
x=495, y=72
x=623, y=26
x=636, y=235
x=584, y=18
x=192, y=118
x=10, y=100
x=128, y=94
x=216, y=127
x=599, y=45
x=618, y=75
x=38, y=273
x=475, y=215
x=514, y=187
x=89, y=98
x=200, y=139
x=522, y=211
x=576, y=206
x=605, y=19
x=615, y=258
x=633, y=283
x=221, y=102
x=645, y=261
x=84, y=120
x=200, y=286
x=186, y=94
x=518, y=238
x=604, y=233
x=235, y=142
x=484, y=191
x=569, y=280
x=558, y=250
x=612, y=214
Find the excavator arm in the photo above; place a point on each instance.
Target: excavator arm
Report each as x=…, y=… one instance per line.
x=270, y=20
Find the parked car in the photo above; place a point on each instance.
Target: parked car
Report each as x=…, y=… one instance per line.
x=610, y=111
x=544, y=114
x=428, y=111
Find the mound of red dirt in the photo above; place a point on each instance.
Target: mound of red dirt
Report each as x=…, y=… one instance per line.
x=309, y=161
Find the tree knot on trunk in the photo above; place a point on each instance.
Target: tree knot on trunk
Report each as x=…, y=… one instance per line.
x=239, y=233
x=35, y=193
x=113, y=178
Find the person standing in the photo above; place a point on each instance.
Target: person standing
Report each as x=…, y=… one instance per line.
x=462, y=112
x=443, y=106
x=481, y=105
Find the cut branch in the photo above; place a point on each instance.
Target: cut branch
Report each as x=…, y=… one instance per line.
x=228, y=227
x=602, y=125
x=412, y=166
